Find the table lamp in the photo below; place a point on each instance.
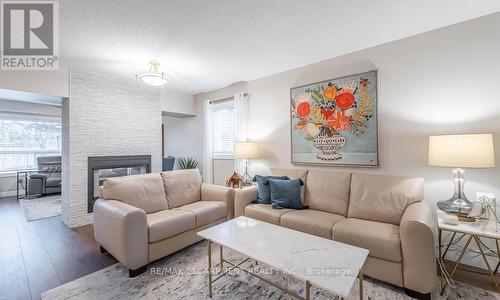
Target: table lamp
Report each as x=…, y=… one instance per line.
x=245, y=151
x=458, y=152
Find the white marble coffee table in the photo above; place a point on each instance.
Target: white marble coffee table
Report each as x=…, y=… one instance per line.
x=317, y=261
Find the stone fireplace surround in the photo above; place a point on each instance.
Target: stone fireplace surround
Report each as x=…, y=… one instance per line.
x=105, y=115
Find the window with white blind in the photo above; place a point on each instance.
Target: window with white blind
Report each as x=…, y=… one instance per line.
x=223, y=130
x=22, y=141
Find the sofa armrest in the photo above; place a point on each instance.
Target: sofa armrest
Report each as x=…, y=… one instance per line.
x=417, y=244
x=211, y=192
x=38, y=176
x=122, y=230
x=244, y=197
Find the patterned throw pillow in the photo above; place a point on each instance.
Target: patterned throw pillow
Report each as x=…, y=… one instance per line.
x=264, y=195
x=286, y=193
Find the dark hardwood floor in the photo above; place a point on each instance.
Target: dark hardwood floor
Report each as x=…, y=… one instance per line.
x=40, y=255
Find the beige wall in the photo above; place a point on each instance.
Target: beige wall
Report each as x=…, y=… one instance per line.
x=175, y=102
x=444, y=81
x=183, y=138
x=223, y=169
x=183, y=125
x=441, y=82
x=52, y=83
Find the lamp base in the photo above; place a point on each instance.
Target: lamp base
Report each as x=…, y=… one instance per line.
x=247, y=180
x=458, y=204
x=455, y=206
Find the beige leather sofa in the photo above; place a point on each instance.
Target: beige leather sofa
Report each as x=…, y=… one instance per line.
x=383, y=214
x=145, y=217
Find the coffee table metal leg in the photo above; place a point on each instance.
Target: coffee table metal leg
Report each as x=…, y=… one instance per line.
x=361, y=285
x=308, y=290
x=221, y=258
x=210, y=268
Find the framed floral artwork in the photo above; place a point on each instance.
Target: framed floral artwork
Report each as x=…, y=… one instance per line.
x=334, y=122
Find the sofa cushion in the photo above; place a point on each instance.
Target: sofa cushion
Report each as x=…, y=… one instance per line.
x=182, y=187
x=311, y=221
x=52, y=182
x=167, y=223
x=383, y=198
x=265, y=213
x=328, y=191
x=382, y=239
x=143, y=191
x=293, y=174
x=206, y=211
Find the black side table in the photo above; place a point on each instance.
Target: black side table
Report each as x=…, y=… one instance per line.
x=22, y=184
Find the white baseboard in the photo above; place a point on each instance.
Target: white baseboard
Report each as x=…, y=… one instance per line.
x=8, y=193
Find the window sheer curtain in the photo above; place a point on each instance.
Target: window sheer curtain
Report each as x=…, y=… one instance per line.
x=240, y=133
x=240, y=123
x=208, y=142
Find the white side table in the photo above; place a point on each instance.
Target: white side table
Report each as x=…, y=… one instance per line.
x=472, y=232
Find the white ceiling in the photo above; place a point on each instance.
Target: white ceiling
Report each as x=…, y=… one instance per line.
x=207, y=44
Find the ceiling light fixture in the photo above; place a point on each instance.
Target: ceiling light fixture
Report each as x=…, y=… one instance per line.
x=153, y=77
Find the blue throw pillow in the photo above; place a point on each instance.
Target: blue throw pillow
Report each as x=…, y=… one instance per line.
x=264, y=195
x=285, y=193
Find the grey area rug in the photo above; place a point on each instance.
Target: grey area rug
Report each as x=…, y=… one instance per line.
x=183, y=276
x=41, y=208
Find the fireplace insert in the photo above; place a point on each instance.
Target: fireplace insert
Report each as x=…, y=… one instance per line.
x=102, y=167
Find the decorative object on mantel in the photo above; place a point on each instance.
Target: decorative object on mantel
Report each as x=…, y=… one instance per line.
x=235, y=181
x=246, y=151
x=187, y=163
x=334, y=122
x=458, y=152
x=153, y=77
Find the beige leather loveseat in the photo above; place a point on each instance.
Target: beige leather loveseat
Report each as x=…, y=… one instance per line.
x=383, y=214
x=145, y=217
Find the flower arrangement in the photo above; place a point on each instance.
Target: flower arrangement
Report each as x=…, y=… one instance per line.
x=344, y=108
x=333, y=113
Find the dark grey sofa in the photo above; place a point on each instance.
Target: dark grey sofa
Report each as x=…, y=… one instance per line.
x=48, y=179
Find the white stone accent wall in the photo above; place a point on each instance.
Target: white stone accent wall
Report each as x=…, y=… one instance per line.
x=105, y=116
x=65, y=183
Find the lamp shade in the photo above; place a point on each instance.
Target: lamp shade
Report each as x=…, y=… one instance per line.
x=245, y=150
x=462, y=151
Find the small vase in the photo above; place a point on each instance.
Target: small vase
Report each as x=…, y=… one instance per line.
x=329, y=141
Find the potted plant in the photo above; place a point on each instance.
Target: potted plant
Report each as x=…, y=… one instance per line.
x=187, y=163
